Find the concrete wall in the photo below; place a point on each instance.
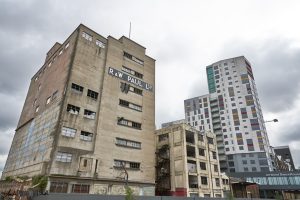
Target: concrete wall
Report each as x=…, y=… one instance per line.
x=118, y=197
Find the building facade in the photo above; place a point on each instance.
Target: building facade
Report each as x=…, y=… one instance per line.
x=273, y=185
x=187, y=162
x=284, y=155
x=232, y=111
x=88, y=109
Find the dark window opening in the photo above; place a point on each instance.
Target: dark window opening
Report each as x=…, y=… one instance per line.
x=92, y=94
x=77, y=87
x=73, y=109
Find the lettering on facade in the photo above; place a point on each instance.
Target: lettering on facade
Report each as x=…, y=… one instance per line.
x=284, y=174
x=130, y=79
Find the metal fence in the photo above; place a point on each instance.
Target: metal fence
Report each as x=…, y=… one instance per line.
x=119, y=197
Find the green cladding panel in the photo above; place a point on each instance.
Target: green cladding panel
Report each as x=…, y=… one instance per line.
x=210, y=79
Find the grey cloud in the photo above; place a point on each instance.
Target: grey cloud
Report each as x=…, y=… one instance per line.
x=6, y=139
x=9, y=112
x=276, y=70
x=291, y=134
x=199, y=87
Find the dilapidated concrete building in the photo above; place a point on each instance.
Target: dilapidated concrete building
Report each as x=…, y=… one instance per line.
x=187, y=162
x=88, y=110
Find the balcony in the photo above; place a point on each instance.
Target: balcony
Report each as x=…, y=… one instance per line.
x=215, y=110
x=214, y=104
x=221, y=151
x=218, y=132
x=217, y=127
x=216, y=120
x=219, y=138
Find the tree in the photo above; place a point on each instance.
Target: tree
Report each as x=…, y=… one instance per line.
x=129, y=194
x=40, y=181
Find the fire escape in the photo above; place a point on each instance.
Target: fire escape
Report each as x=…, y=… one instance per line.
x=163, y=182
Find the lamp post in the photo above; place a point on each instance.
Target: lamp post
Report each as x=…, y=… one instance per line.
x=273, y=120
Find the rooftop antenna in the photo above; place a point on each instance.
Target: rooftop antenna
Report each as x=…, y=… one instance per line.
x=129, y=30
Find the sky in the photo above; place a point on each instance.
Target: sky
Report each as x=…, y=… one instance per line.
x=183, y=36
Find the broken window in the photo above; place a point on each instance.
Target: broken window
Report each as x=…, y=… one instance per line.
x=100, y=44
x=87, y=36
x=192, y=166
x=133, y=58
x=126, y=164
x=92, y=94
x=86, y=136
x=122, y=121
x=69, y=132
x=128, y=143
x=123, y=103
x=128, y=123
x=63, y=157
x=89, y=114
x=73, y=109
x=77, y=88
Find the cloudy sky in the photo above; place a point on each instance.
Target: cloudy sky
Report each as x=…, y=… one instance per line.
x=183, y=36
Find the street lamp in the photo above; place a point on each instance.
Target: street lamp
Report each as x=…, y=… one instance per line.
x=273, y=120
